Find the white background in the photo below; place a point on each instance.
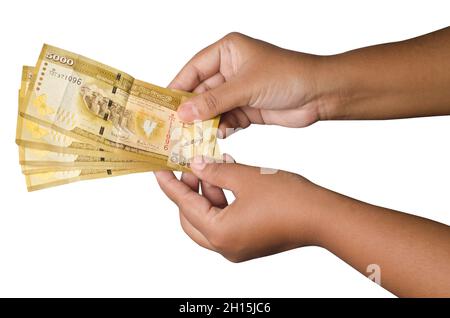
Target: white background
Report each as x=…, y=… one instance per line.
x=121, y=236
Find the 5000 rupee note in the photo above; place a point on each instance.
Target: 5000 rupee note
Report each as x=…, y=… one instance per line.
x=33, y=135
x=100, y=105
x=51, y=179
x=41, y=158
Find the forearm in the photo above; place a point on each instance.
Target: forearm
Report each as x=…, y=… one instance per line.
x=395, y=80
x=413, y=253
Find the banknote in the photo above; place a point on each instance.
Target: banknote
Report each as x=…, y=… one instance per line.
x=36, y=157
x=43, y=173
x=29, y=170
x=80, y=120
x=102, y=106
x=42, y=158
x=34, y=136
x=45, y=180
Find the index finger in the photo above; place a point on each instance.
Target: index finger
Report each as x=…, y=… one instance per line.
x=197, y=209
x=202, y=66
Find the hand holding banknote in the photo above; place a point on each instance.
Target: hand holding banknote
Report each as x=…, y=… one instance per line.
x=79, y=119
x=249, y=81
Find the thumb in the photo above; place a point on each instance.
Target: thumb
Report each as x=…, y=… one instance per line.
x=214, y=102
x=227, y=175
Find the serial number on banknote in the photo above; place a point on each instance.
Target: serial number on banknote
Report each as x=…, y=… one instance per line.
x=68, y=77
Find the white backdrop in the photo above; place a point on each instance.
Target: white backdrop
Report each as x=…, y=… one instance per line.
x=121, y=236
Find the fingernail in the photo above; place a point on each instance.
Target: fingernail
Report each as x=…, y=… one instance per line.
x=198, y=163
x=188, y=112
x=228, y=158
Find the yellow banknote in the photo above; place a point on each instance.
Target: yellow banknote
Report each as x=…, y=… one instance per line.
x=29, y=170
x=33, y=135
x=42, y=158
x=75, y=158
x=105, y=107
x=45, y=180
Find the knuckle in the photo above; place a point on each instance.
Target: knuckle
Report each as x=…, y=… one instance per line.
x=233, y=36
x=182, y=198
x=231, y=41
x=203, y=87
x=200, y=75
x=186, y=196
x=210, y=101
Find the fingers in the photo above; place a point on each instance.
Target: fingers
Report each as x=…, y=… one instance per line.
x=196, y=208
x=300, y=117
x=203, y=65
x=214, y=194
x=191, y=180
x=230, y=176
x=211, y=103
x=209, y=83
x=193, y=233
x=243, y=117
x=238, y=118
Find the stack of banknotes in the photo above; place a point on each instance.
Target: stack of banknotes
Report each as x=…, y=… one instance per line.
x=79, y=119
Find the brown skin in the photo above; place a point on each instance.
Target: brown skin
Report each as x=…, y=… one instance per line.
x=250, y=81
x=282, y=211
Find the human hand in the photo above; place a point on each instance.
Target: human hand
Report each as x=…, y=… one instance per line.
x=271, y=213
x=250, y=81
x=280, y=211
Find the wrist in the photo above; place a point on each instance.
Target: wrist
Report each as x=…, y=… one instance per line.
x=312, y=210
x=334, y=90
x=321, y=214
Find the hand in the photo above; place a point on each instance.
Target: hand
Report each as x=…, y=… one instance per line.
x=250, y=81
x=281, y=211
x=272, y=212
